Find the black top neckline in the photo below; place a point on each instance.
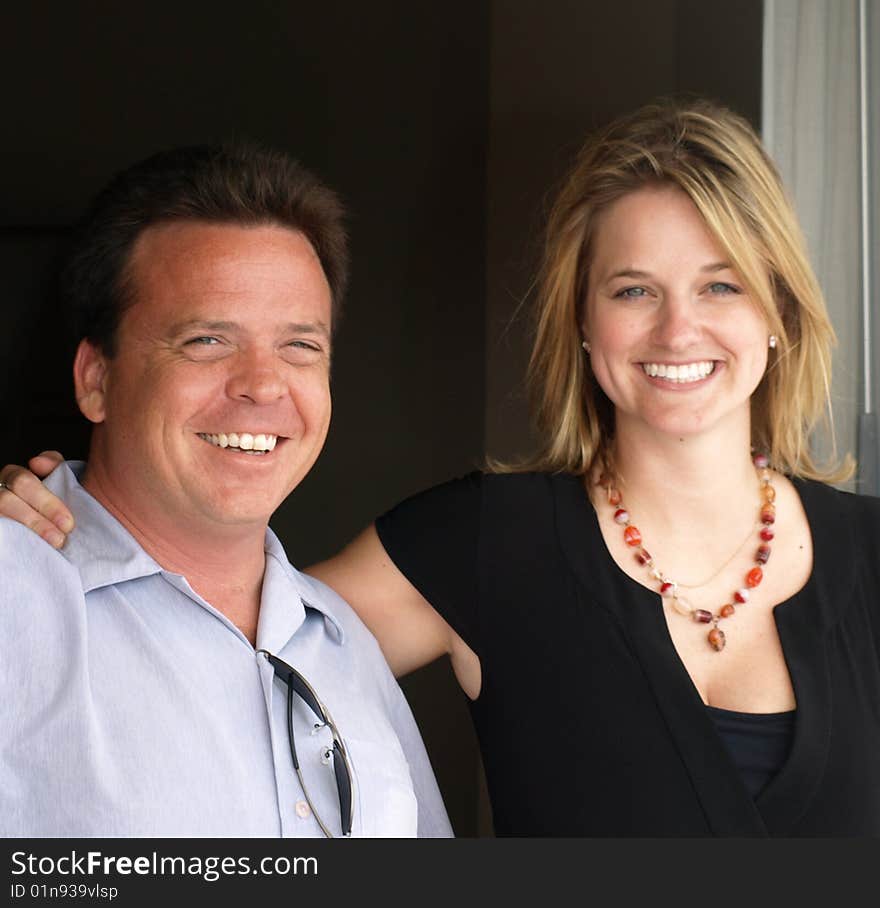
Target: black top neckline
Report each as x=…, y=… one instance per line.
x=756, y=717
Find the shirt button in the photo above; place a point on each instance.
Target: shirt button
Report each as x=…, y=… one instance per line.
x=302, y=809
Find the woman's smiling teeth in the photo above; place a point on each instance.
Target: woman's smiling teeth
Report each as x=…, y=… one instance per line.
x=243, y=441
x=686, y=372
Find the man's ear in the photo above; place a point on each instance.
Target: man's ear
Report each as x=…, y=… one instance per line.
x=89, y=379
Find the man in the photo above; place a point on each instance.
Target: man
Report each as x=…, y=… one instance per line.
x=169, y=673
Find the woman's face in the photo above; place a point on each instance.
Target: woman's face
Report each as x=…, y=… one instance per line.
x=677, y=344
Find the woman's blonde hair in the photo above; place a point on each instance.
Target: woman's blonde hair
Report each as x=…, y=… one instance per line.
x=715, y=157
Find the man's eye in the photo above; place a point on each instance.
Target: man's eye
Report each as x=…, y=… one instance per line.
x=204, y=341
x=304, y=348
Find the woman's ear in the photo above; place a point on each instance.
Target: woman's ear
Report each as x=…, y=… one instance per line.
x=89, y=378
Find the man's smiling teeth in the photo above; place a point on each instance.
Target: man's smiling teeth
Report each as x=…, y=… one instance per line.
x=244, y=441
x=686, y=372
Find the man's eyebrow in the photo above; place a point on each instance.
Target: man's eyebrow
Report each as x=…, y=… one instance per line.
x=307, y=328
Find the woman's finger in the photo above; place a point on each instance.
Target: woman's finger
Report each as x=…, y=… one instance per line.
x=45, y=462
x=25, y=499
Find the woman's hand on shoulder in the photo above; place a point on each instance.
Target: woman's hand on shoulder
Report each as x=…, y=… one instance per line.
x=25, y=499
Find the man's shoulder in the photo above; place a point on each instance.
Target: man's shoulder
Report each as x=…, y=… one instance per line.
x=41, y=601
x=25, y=554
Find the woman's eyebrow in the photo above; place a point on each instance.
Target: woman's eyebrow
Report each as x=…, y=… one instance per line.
x=637, y=274
x=629, y=272
x=717, y=266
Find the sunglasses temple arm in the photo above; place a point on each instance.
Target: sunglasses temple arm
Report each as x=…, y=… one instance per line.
x=290, y=735
x=343, y=786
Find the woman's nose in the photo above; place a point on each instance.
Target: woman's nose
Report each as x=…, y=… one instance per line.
x=678, y=325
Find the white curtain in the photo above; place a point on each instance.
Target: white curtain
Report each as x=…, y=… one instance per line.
x=814, y=98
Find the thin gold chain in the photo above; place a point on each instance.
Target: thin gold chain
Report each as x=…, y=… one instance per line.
x=739, y=548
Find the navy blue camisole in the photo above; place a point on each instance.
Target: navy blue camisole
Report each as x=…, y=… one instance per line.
x=758, y=743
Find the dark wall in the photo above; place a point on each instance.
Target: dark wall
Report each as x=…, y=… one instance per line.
x=442, y=125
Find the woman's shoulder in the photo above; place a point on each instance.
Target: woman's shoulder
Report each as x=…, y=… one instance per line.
x=845, y=525
x=527, y=488
x=533, y=480
x=484, y=498
x=506, y=484
x=828, y=501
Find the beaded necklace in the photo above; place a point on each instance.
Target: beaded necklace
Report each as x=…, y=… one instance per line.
x=668, y=588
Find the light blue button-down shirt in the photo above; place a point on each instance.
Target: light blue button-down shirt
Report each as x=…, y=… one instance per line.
x=132, y=707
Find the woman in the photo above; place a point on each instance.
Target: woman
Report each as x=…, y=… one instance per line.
x=637, y=662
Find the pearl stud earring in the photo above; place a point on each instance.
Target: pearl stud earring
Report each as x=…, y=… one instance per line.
x=772, y=342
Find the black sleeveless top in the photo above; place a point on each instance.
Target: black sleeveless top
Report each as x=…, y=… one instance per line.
x=588, y=722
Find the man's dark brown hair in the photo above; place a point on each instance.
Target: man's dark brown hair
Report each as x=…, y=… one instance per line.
x=235, y=183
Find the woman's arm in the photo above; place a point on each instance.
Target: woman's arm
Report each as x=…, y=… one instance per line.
x=410, y=632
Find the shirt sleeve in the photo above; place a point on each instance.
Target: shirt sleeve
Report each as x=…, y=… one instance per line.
x=433, y=539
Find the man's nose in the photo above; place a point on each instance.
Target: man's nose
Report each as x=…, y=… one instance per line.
x=678, y=322
x=256, y=377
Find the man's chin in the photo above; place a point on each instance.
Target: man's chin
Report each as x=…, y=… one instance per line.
x=232, y=512
x=252, y=501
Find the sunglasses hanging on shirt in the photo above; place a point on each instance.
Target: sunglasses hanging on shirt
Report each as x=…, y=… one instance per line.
x=337, y=755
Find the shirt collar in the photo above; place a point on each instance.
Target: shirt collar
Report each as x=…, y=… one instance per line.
x=105, y=553
x=277, y=621
x=100, y=548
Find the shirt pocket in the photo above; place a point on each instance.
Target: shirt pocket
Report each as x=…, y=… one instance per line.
x=386, y=805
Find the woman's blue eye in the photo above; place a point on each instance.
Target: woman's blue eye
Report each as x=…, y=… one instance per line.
x=632, y=292
x=721, y=287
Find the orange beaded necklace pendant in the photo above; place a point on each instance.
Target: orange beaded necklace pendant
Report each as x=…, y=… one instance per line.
x=668, y=588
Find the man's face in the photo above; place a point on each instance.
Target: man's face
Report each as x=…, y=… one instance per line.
x=226, y=347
